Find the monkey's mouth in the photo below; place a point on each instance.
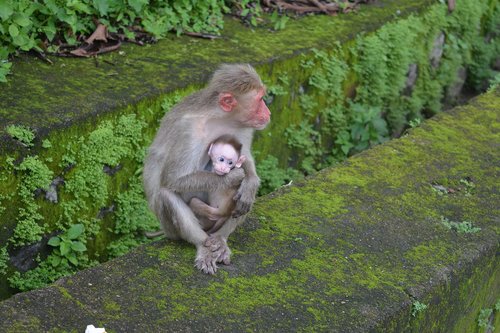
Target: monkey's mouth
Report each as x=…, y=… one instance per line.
x=261, y=126
x=220, y=173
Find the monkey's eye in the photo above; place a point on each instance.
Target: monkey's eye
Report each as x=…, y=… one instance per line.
x=230, y=162
x=221, y=159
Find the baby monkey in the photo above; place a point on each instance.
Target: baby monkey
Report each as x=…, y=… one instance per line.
x=225, y=155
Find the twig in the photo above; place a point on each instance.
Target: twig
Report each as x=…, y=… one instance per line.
x=201, y=35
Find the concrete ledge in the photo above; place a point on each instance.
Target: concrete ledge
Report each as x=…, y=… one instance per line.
x=347, y=250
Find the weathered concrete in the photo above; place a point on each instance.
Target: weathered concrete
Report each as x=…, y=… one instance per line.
x=347, y=250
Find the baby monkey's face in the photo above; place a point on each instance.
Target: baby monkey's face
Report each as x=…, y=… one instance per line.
x=224, y=158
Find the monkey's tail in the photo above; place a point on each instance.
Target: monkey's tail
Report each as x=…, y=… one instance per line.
x=153, y=234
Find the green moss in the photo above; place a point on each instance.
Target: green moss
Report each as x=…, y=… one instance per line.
x=35, y=175
x=31, y=323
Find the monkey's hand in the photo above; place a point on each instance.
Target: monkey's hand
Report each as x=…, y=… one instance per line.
x=245, y=197
x=234, y=178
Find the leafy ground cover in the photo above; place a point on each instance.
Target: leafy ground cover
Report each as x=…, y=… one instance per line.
x=89, y=27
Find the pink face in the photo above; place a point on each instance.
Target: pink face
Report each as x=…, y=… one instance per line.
x=224, y=158
x=251, y=110
x=259, y=115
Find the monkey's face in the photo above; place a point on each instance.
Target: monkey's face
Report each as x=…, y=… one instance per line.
x=224, y=158
x=254, y=110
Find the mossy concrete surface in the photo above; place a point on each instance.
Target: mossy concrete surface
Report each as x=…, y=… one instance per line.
x=354, y=248
x=44, y=96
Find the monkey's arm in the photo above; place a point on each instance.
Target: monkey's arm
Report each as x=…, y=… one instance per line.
x=245, y=197
x=205, y=181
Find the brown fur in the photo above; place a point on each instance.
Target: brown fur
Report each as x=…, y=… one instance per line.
x=220, y=205
x=174, y=168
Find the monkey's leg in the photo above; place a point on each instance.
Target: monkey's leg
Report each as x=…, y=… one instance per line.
x=200, y=208
x=208, y=249
x=218, y=224
x=227, y=228
x=183, y=218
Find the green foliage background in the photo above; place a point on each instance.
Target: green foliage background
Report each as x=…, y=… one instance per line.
x=42, y=25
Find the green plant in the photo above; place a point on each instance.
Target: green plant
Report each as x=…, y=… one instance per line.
x=4, y=259
x=494, y=83
x=36, y=175
x=415, y=122
x=41, y=25
x=279, y=20
x=132, y=218
x=4, y=68
x=469, y=186
x=417, y=307
x=344, y=142
x=329, y=74
x=483, y=321
x=368, y=127
x=67, y=246
x=308, y=140
x=21, y=133
x=272, y=176
x=46, y=144
x=249, y=10
x=464, y=227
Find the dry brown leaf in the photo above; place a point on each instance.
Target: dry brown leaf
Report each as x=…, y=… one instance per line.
x=100, y=33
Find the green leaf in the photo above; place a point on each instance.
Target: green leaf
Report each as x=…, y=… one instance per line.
x=78, y=246
x=55, y=261
x=65, y=248
x=22, y=20
x=102, y=6
x=72, y=259
x=50, y=30
x=75, y=231
x=79, y=6
x=6, y=9
x=138, y=4
x=13, y=30
x=54, y=241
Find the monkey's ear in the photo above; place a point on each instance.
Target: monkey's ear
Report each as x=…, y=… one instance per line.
x=210, y=149
x=227, y=102
x=240, y=161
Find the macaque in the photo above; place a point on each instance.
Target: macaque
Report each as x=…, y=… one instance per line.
x=175, y=167
x=225, y=155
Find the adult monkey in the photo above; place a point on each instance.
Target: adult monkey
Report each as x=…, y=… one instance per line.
x=174, y=170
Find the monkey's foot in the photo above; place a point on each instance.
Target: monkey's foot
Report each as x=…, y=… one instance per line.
x=214, y=250
x=206, y=261
x=208, y=254
x=225, y=253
